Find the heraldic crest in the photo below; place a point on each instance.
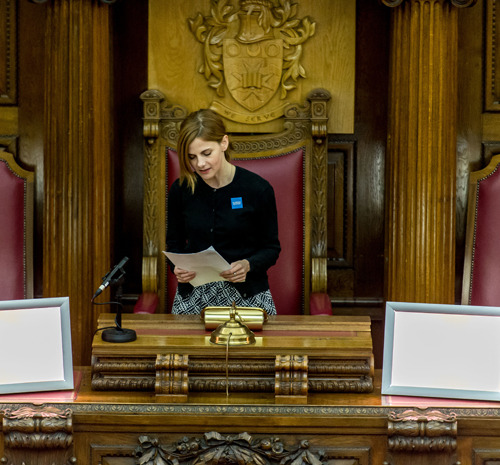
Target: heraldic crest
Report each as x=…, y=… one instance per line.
x=253, y=50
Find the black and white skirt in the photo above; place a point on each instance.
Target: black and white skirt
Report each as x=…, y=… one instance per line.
x=220, y=294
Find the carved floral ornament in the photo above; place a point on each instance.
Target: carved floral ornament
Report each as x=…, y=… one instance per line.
x=252, y=51
x=457, y=3
x=213, y=448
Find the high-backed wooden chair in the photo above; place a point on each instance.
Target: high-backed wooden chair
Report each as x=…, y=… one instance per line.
x=16, y=229
x=293, y=161
x=481, y=276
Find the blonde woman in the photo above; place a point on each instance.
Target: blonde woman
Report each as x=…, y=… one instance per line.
x=215, y=203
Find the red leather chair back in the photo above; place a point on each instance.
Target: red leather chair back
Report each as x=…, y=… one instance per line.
x=482, y=255
x=15, y=230
x=285, y=172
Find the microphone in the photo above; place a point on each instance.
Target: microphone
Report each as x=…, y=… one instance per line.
x=112, y=276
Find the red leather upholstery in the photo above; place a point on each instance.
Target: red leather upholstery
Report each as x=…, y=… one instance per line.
x=485, y=272
x=12, y=234
x=320, y=304
x=147, y=303
x=286, y=175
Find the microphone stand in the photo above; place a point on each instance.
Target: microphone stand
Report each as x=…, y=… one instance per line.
x=117, y=334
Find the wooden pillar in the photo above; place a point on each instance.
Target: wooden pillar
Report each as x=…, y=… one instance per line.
x=421, y=151
x=78, y=178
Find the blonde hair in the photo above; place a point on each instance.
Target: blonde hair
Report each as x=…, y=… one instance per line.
x=208, y=126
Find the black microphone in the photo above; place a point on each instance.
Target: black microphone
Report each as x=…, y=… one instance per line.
x=112, y=276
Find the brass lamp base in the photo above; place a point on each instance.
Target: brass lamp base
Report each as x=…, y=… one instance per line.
x=232, y=332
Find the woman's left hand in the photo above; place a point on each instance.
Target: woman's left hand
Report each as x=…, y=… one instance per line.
x=238, y=271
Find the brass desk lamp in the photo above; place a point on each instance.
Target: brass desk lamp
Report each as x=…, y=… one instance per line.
x=232, y=332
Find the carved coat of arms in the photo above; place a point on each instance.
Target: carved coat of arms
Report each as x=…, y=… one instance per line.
x=252, y=50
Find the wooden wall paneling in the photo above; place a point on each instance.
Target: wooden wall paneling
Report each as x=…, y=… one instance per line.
x=421, y=153
x=469, y=124
x=130, y=55
x=340, y=204
x=31, y=61
x=372, y=71
x=8, y=52
x=340, y=212
x=77, y=163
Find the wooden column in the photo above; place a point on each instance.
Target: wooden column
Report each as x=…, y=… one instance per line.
x=77, y=161
x=421, y=151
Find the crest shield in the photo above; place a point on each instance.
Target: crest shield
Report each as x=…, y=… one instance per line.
x=253, y=70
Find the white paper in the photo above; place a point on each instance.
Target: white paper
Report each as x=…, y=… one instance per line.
x=207, y=264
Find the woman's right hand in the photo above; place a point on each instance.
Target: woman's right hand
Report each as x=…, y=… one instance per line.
x=184, y=276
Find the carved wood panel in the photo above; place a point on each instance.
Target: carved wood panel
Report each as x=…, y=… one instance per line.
x=340, y=205
x=340, y=220
x=8, y=52
x=486, y=456
x=215, y=448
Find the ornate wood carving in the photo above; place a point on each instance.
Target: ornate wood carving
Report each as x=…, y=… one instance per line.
x=214, y=448
x=172, y=376
x=296, y=374
x=8, y=52
x=319, y=117
x=46, y=429
x=413, y=431
x=291, y=377
x=421, y=154
x=252, y=51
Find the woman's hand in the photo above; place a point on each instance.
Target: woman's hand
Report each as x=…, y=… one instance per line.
x=238, y=271
x=184, y=276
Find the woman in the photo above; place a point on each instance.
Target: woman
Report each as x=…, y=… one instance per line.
x=214, y=203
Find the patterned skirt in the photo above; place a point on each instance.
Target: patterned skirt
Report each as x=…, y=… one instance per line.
x=220, y=294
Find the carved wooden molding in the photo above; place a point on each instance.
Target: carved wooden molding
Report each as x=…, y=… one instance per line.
x=319, y=100
x=8, y=52
x=413, y=431
x=291, y=376
x=172, y=376
x=214, y=448
x=40, y=428
x=44, y=428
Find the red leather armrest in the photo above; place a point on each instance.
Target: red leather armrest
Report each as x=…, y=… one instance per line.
x=147, y=303
x=320, y=304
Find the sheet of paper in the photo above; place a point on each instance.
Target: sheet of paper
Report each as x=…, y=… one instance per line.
x=208, y=265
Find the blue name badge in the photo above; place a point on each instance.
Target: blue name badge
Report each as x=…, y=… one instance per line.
x=236, y=202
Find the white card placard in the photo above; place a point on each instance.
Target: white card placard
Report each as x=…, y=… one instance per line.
x=35, y=343
x=434, y=350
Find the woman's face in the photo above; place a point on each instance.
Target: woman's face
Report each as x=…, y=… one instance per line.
x=207, y=158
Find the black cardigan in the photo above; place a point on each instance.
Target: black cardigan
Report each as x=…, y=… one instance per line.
x=239, y=220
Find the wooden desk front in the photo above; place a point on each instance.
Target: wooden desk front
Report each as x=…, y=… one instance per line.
x=129, y=428
x=292, y=357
